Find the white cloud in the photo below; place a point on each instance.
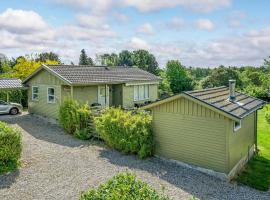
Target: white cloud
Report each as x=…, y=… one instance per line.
x=22, y=21
x=176, y=23
x=138, y=43
x=121, y=17
x=247, y=49
x=235, y=19
x=145, y=5
x=145, y=28
x=205, y=24
x=196, y=5
x=97, y=7
x=90, y=20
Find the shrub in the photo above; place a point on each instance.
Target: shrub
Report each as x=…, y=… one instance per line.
x=10, y=147
x=127, y=131
x=76, y=119
x=267, y=117
x=123, y=186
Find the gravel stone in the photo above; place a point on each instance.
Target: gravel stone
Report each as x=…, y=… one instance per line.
x=56, y=165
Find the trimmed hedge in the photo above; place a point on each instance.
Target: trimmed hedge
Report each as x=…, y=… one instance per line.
x=127, y=131
x=122, y=187
x=10, y=147
x=76, y=119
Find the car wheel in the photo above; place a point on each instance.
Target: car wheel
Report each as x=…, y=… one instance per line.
x=13, y=111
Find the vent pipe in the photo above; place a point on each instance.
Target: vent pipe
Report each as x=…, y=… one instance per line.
x=232, y=90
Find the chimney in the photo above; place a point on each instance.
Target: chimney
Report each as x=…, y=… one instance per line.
x=232, y=90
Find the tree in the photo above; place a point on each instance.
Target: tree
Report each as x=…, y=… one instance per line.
x=25, y=66
x=125, y=58
x=109, y=59
x=164, y=86
x=146, y=61
x=178, y=77
x=48, y=56
x=84, y=59
x=220, y=77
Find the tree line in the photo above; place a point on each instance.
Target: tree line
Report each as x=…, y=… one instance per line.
x=175, y=76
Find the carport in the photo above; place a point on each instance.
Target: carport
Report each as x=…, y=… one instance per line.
x=10, y=84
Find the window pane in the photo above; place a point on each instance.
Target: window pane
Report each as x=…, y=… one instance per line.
x=35, y=89
x=51, y=98
x=50, y=91
x=146, y=91
x=35, y=96
x=141, y=92
x=102, y=91
x=136, y=93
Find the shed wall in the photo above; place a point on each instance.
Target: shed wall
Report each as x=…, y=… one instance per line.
x=191, y=133
x=242, y=140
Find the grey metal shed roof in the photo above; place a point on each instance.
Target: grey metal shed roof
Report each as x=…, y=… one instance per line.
x=218, y=98
x=10, y=83
x=100, y=74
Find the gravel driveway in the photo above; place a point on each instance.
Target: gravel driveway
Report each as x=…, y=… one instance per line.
x=57, y=166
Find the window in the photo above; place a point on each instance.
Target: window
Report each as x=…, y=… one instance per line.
x=35, y=93
x=237, y=126
x=141, y=92
x=51, y=95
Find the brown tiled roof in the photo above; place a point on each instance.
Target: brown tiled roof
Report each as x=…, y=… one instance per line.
x=218, y=98
x=10, y=83
x=92, y=75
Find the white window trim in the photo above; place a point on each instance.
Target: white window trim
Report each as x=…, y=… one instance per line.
x=238, y=127
x=34, y=86
x=143, y=99
x=50, y=102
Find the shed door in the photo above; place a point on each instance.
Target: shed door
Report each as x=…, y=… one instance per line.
x=194, y=140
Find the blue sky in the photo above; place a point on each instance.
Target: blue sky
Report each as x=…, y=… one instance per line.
x=197, y=32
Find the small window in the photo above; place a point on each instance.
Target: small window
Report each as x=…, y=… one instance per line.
x=237, y=126
x=35, y=93
x=51, y=95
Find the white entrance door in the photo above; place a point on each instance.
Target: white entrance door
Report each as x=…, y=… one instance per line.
x=103, y=95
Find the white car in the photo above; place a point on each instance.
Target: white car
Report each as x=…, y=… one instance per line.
x=10, y=108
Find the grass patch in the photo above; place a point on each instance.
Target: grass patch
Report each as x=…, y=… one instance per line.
x=257, y=172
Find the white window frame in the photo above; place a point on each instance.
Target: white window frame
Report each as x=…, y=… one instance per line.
x=137, y=90
x=33, y=99
x=50, y=95
x=237, y=127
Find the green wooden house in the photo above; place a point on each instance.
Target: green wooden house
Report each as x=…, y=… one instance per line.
x=213, y=129
x=49, y=85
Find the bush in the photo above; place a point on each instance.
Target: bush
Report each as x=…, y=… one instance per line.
x=76, y=119
x=10, y=147
x=15, y=96
x=267, y=117
x=129, y=132
x=123, y=186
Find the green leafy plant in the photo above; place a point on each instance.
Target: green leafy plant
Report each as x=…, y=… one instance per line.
x=267, y=117
x=10, y=148
x=76, y=119
x=127, y=131
x=121, y=187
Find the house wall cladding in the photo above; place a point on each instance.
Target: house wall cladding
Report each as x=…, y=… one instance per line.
x=41, y=106
x=191, y=133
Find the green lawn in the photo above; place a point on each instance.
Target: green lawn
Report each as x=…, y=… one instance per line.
x=257, y=172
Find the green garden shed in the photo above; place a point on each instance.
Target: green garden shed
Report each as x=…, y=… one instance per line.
x=214, y=130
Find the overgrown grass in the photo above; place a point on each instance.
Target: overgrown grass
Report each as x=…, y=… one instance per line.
x=257, y=172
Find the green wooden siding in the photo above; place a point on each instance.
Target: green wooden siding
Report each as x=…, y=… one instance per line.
x=191, y=133
x=86, y=94
x=43, y=80
x=128, y=95
x=242, y=140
